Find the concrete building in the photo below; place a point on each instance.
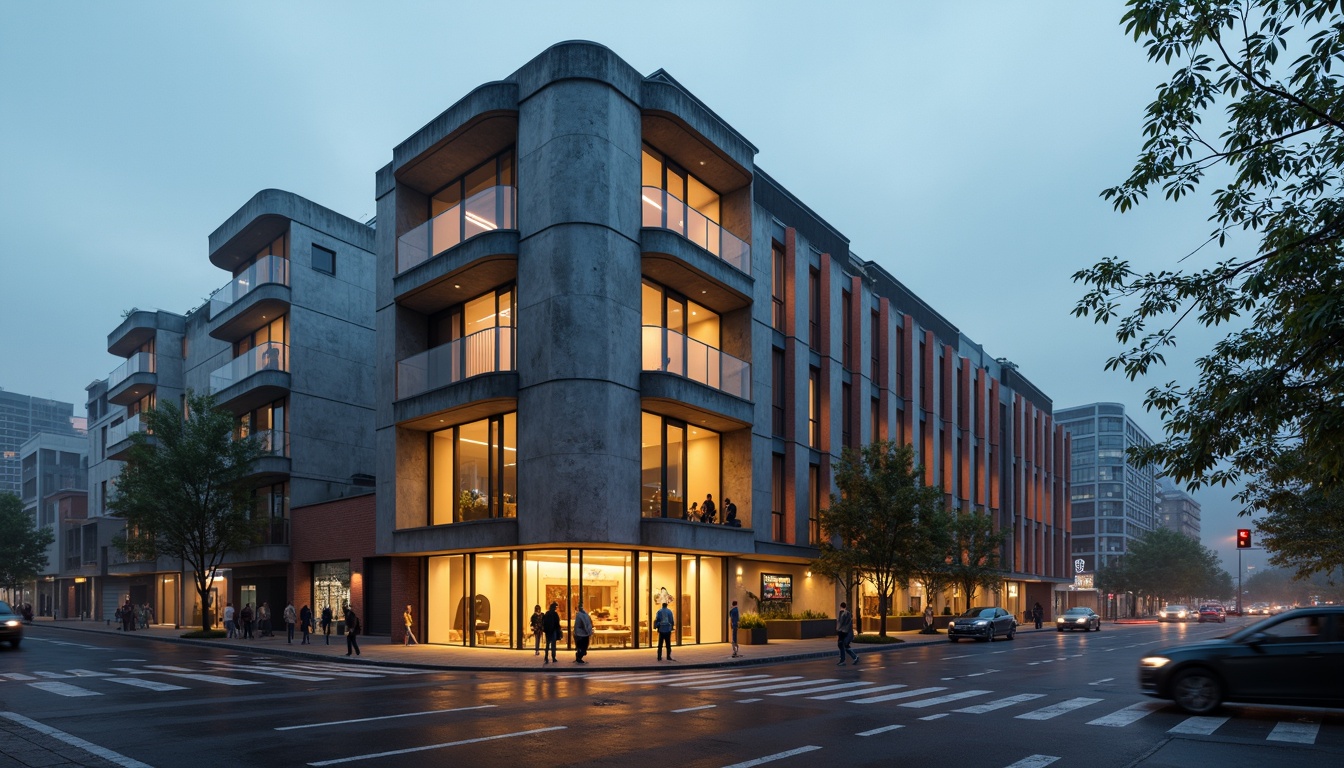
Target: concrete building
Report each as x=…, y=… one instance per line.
x=286, y=345
x=54, y=483
x=21, y=417
x=1177, y=510
x=596, y=312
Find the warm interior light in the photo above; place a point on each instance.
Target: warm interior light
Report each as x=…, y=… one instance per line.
x=480, y=222
x=739, y=570
x=650, y=202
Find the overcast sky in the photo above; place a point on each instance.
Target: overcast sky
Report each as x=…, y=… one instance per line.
x=961, y=146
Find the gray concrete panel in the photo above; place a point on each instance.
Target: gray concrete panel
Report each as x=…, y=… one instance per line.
x=665, y=534
x=600, y=182
x=699, y=397
x=735, y=287
x=584, y=337
x=446, y=402
x=485, y=99
x=577, y=60
x=658, y=95
x=580, y=259
x=478, y=534
x=264, y=217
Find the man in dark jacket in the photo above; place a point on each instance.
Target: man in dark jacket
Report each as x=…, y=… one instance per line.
x=550, y=624
x=844, y=630
x=352, y=628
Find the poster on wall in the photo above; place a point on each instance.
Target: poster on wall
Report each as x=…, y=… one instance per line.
x=776, y=587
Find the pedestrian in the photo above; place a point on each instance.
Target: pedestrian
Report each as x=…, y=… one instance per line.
x=664, y=623
x=707, y=510
x=247, y=621
x=264, y=619
x=583, y=634
x=550, y=624
x=352, y=628
x=120, y=624
x=230, y=620
x=1036, y=614
x=306, y=619
x=928, y=620
x=326, y=623
x=291, y=618
x=844, y=630
x=149, y=615
x=537, y=629
x=410, y=636
x=733, y=617
x=128, y=616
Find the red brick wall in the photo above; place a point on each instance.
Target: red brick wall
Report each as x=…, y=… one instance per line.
x=335, y=530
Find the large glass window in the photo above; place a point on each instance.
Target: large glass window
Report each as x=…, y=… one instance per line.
x=331, y=589
x=474, y=471
x=488, y=206
x=680, y=464
x=446, y=619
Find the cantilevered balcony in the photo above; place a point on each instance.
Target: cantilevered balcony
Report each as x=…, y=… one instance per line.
x=667, y=351
x=273, y=465
x=259, y=294
x=132, y=380
x=489, y=210
x=119, y=436
x=488, y=351
x=664, y=210
x=254, y=377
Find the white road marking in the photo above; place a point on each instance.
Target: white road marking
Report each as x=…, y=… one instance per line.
x=782, y=686
x=720, y=678
x=140, y=682
x=383, y=717
x=747, y=701
x=17, y=676
x=772, y=758
x=86, y=673
x=168, y=668
x=411, y=750
x=823, y=689
x=1131, y=714
x=693, y=709
x=734, y=685
x=52, y=675
x=864, y=692
x=213, y=679
x=980, y=709
x=1056, y=710
x=64, y=689
x=134, y=660
x=697, y=684
x=113, y=757
x=944, y=699
x=270, y=672
x=1035, y=761
x=935, y=717
x=1198, y=726
x=876, y=731
x=893, y=696
x=1297, y=733
x=372, y=668
x=962, y=656
x=1102, y=680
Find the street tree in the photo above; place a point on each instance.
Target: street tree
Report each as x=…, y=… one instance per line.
x=23, y=546
x=933, y=556
x=184, y=492
x=976, y=549
x=874, y=520
x=1167, y=565
x=1253, y=108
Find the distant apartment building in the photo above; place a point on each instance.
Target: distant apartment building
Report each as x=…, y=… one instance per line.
x=1177, y=510
x=286, y=345
x=54, y=482
x=21, y=417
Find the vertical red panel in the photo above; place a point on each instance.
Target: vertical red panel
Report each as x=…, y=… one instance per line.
x=790, y=284
x=995, y=459
x=825, y=321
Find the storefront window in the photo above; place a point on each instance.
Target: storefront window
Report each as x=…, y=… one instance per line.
x=474, y=471
x=680, y=464
x=445, y=620
x=331, y=589
x=493, y=603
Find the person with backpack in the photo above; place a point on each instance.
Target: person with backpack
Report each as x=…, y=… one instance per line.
x=352, y=628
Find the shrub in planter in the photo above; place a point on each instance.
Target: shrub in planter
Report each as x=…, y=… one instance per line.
x=878, y=639
x=751, y=630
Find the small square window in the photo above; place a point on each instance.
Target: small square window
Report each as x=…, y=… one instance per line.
x=324, y=260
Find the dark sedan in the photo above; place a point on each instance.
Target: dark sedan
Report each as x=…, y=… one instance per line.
x=11, y=625
x=1295, y=658
x=984, y=623
x=1085, y=619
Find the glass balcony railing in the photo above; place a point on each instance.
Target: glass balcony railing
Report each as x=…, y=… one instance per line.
x=664, y=210
x=124, y=430
x=271, y=356
x=140, y=362
x=274, y=442
x=485, y=211
x=671, y=352
x=488, y=351
x=268, y=269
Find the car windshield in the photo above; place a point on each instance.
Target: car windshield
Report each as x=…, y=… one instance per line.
x=1077, y=612
x=978, y=613
x=1174, y=608
x=4, y=607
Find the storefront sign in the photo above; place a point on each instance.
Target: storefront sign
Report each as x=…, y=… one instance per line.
x=1082, y=581
x=776, y=586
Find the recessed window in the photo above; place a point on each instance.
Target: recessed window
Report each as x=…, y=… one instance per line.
x=324, y=260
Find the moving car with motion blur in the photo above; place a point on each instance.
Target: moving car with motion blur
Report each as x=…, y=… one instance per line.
x=1085, y=619
x=983, y=623
x=1175, y=612
x=1295, y=658
x=1212, y=612
x=11, y=625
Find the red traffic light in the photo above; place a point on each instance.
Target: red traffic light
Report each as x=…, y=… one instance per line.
x=1243, y=538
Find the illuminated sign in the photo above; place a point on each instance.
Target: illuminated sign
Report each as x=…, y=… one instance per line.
x=776, y=586
x=1083, y=581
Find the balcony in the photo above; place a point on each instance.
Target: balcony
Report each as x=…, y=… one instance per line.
x=486, y=211
x=132, y=380
x=273, y=465
x=488, y=351
x=119, y=436
x=667, y=351
x=663, y=210
x=249, y=300
x=254, y=377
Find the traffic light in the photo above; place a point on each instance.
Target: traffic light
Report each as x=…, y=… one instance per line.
x=1243, y=538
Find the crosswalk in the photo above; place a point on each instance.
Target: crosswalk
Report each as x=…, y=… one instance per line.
x=972, y=701
x=165, y=678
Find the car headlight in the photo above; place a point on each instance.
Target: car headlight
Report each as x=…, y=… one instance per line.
x=11, y=623
x=1082, y=620
x=1153, y=662
x=982, y=623
x=1060, y=619
x=1181, y=614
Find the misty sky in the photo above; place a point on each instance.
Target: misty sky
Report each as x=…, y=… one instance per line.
x=961, y=146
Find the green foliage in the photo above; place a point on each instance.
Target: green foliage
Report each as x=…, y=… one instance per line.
x=750, y=621
x=934, y=557
x=1167, y=566
x=975, y=554
x=1268, y=404
x=1283, y=587
x=184, y=492
x=23, y=546
x=810, y=614
x=872, y=527
x=877, y=639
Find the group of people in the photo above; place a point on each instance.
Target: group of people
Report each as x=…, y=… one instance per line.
x=705, y=512
x=239, y=624
x=129, y=615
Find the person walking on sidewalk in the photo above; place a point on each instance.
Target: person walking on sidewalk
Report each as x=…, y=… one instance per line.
x=352, y=628
x=1036, y=613
x=664, y=622
x=306, y=619
x=264, y=619
x=326, y=623
x=844, y=630
x=550, y=625
x=247, y=621
x=734, y=616
x=230, y=621
x=291, y=618
x=583, y=634
x=410, y=636
x=537, y=629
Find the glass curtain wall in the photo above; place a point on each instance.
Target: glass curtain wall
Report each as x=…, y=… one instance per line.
x=680, y=464
x=474, y=471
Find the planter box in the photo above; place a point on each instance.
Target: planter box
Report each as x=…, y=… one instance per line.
x=905, y=623
x=800, y=629
x=751, y=637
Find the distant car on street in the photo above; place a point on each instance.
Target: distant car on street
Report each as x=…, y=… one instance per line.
x=983, y=623
x=1296, y=658
x=1212, y=612
x=1175, y=612
x=1258, y=609
x=1082, y=618
x=11, y=625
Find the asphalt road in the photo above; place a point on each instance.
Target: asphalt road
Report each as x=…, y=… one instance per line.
x=1042, y=699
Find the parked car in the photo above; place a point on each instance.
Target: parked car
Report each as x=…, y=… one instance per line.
x=11, y=625
x=1085, y=619
x=1211, y=612
x=1174, y=612
x=1296, y=658
x=983, y=623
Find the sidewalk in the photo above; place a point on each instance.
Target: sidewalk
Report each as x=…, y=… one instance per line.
x=378, y=650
